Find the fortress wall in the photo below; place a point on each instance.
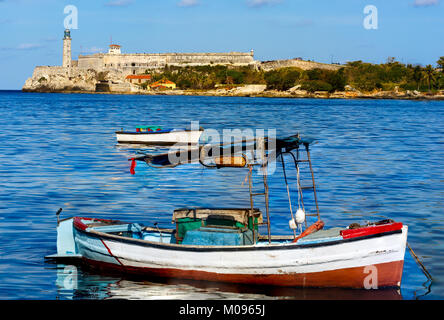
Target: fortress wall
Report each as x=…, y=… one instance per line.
x=304, y=65
x=94, y=61
x=236, y=58
x=120, y=87
x=42, y=71
x=133, y=60
x=141, y=62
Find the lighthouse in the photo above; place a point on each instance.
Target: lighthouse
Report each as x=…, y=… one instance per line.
x=67, y=58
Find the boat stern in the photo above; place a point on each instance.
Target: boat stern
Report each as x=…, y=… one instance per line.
x=66, y=246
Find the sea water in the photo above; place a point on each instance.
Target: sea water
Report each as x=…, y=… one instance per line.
x=373, y=159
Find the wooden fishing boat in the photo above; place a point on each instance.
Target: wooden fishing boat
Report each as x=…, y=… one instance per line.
x=154, y=135
x=226, y=245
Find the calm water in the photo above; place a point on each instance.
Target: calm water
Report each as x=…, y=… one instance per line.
x=373, y=160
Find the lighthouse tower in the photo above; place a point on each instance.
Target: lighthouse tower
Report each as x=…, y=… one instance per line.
x=67, y=58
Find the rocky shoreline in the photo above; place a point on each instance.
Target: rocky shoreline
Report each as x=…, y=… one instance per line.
x=260, y=91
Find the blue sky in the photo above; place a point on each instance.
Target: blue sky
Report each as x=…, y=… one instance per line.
x=31, y=31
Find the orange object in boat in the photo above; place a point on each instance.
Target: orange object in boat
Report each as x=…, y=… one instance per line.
x=238, y=162
x=318, y=225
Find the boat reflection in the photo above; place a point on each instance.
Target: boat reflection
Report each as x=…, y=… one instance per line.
x=78, y=283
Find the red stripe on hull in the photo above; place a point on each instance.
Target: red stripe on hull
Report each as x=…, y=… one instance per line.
x=370, y=230
x=110, y=253
x=388, y=275
x=78, y=223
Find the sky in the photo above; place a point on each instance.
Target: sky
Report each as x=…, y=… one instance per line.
x=31, y=31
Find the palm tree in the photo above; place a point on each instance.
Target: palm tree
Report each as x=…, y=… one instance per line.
x=440, y=63
x=417, y=75
x=429, y=75
x=439, y=80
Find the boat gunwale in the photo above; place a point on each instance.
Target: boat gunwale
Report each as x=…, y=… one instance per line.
x=156, y=132
x=182, y=247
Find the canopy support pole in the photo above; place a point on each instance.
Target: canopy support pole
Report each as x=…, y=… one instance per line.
x=288, y=191
x=264, y=163
x=313, y=180
x=267, y=209
x=250, y=185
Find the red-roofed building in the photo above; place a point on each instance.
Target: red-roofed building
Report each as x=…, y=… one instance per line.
x=163, y=84
x=138, y=78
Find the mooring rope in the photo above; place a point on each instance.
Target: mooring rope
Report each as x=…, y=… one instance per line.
x=424, y=269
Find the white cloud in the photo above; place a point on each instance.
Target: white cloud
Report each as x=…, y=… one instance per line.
x=92, y=50
x=261, y=3
x=23, y=47
x=50, y=39
x=119, y=3
x=293, y=23
x=425, y=3
x=28, y=46
x=188, y=3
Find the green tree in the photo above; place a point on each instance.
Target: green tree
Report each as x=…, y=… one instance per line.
x=440, y=80
x=429, y=75
x=336, y=79
x=417, y=75
x=364, y=76
x=282, y=79
x=236, y=76
x=316, y=85
x=440, y=63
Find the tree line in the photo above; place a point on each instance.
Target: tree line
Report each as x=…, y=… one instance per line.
x=360, y=75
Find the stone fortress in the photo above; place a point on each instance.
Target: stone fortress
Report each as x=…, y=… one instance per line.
x=113, y=67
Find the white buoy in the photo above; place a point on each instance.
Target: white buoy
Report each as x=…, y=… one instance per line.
x=292, y=224
x=300, y=216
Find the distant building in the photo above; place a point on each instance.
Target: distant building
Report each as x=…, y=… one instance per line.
x=138, y=78
x=163, y=84
x=136, y=63
x=114, y=49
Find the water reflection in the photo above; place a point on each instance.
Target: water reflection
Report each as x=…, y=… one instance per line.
x=80, y=282
x=91, y=285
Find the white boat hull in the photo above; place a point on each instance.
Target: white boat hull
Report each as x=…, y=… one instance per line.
x=181, y=137
x=375, y=260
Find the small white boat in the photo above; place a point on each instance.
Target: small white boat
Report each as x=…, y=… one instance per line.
x=158, y=136
x=225, y=245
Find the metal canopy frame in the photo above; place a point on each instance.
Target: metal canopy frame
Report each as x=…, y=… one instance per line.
x=281, y=147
